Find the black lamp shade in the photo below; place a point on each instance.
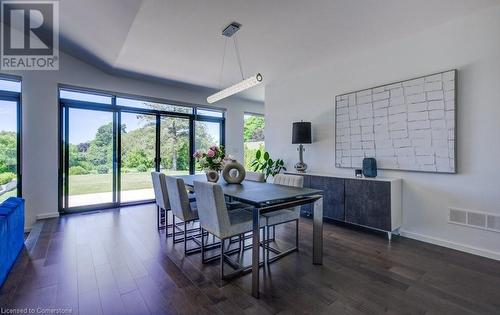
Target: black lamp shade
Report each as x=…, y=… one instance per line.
x=301, y=132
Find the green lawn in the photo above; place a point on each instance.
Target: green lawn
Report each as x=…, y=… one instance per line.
x=97, y=183
x=12, y=193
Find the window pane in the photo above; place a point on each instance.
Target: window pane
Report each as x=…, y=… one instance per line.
x=211, y=113
x=253, y=137
x=11, y=86
x=138, y=134
x=8, y=149
x=152, y=105
x=206, y=134
x=86, y=97
x=174, y=145
x=90, y=157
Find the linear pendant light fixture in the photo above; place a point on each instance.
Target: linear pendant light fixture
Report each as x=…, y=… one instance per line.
x=233, y=89
x=245, y=84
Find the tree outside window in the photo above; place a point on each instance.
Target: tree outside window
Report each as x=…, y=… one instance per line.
x=253, y=137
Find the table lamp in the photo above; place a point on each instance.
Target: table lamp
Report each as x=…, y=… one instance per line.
x=301, y=134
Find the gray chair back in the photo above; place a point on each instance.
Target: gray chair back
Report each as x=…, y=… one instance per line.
x=255, y=177
x=178, y=197
x=160, y=189
x=252, y=176
x=212, y=208
x=290, y=180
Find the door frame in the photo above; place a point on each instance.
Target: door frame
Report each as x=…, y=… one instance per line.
x=16, y=98
x=64, y=117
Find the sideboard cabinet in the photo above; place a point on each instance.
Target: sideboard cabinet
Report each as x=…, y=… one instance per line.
x=370, y=202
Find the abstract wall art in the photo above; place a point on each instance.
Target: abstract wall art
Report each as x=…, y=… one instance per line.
x=408, y=125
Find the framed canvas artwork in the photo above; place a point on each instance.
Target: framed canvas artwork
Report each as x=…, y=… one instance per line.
x=408, y=125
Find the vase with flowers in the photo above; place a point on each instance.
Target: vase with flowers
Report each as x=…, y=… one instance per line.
x=211, y=161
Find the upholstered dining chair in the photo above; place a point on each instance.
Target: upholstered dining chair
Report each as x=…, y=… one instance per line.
x=163, y=204
x=223, y=224
x=282, y=216
x=183, y=210
x=161, y=199
x=252, y=176
x=255, y=177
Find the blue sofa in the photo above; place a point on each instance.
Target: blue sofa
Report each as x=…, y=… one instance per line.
x=11, y=234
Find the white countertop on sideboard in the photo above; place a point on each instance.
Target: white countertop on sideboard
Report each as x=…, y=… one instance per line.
x=344, y=176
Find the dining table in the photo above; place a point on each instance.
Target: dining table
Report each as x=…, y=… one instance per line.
x=266, y=198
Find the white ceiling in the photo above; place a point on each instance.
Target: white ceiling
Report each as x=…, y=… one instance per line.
x=179, y=40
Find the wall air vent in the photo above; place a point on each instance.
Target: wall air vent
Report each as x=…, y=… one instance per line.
x=493, y=222
x=475, y=219
x=458, y=216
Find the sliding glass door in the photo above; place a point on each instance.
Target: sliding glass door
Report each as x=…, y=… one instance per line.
x=90, y=139
x=175, y=152
x=138, y=156
x=110, y=145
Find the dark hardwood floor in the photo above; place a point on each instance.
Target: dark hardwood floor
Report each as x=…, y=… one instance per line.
x=115, y=262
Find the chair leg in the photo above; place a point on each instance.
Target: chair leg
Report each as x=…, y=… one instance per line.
x=158, y=217
x=222, y=259
x=264, y=241
x=167, y=234
x=297, y=234
x=202, y=246
x=267, y=241
x=173, y=225
x=166, y=224
x=278, y=254
x=175, y=233
x=173, y=230
x=185, y=237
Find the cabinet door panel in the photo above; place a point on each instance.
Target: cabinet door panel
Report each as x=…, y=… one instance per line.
x=368, y=203
x=307, y=210
x=333, y=195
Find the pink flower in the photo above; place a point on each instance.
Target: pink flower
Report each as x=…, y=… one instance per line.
x=214, y=148
x=211, y=153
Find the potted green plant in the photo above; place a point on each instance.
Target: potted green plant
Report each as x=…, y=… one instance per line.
x=211, y=161
x=265, y=164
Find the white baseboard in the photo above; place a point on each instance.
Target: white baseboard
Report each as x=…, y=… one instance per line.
x=48, y=215
x=457, y=246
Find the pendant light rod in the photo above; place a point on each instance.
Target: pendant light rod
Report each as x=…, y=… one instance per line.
x=238, y=57
x=222, y=67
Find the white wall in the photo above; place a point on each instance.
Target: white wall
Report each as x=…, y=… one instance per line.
x=471, y=45
x=40, y=122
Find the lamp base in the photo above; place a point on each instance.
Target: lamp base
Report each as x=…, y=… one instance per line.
x=301, y=167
